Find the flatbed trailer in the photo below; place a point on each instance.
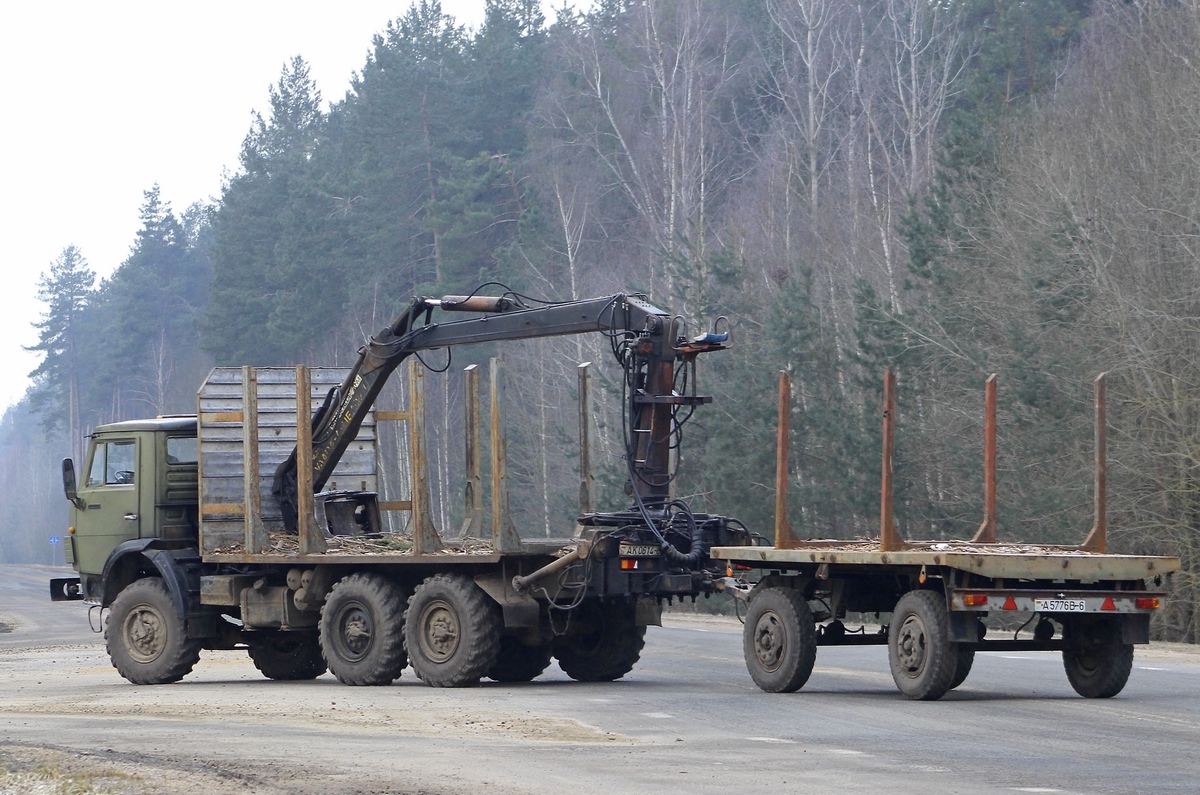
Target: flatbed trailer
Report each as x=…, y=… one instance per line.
x=931, y=596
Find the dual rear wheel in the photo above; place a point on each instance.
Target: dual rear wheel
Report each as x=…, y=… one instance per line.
x=451, y=632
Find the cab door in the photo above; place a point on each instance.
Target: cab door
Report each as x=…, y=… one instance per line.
x=110, y=493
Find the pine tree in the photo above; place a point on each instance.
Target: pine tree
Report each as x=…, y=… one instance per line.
x=66, y=291
x=272, y=280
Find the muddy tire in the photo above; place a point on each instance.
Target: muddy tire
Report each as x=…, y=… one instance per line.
x=922, y=658
x=779, y=640
x=452, y=631
x=518, y=662
x=362, y=630
x=147, y=640
x=1097, y=662
x=603, y=644
x=962, y=667
x=286, y=656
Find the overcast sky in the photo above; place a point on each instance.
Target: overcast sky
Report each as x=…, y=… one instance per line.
x=105, y=99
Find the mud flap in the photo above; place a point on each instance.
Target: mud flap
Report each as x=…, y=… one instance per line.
x=1135, y=628
x=964, y=626
x=519, y=610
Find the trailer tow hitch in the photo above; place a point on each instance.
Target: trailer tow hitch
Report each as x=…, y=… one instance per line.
x=522, y=583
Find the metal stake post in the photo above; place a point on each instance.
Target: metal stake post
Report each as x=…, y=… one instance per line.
x=987, y=531
x=312, y=540
x=785, y=537
x=256, y=534
x=889, y=537
x=1097, y=540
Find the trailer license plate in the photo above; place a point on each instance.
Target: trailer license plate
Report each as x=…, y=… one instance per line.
x=638, y=551
x=1060, y=605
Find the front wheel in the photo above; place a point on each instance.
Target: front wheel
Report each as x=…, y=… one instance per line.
x=924, y=662
x=452, y=631
x=147, y=640
x=779, y=640
x=286, y=656
x=362, y=630
x=1097, y=662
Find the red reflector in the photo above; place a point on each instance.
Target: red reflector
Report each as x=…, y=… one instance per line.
x=975, y=600
x=1147, y=603
x=1010, y=604
x=1108, y=604
x=628, y=563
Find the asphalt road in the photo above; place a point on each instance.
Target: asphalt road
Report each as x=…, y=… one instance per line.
x=688, y=719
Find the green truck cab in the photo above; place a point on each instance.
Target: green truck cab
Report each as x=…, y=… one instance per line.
x=139, y=487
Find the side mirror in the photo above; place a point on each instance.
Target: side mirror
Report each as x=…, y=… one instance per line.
x=68, y=475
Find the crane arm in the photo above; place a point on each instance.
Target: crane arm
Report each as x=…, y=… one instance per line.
x=336, y=423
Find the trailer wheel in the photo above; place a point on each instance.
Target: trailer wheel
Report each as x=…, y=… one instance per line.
x=602, y=643
x=518, y=662
x=962, y=667
x=779, y=640
x=147, y=640
x=286, y=656
x=362, y=630
x=452, y=631
x=922, y=659
x=1097, y=662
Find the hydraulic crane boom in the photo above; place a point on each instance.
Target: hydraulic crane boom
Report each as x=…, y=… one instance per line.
x=645, y=339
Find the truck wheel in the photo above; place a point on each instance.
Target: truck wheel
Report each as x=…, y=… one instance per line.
x=286, y=656
x=452, y=631
x=962, y=667
x=518, y=662
x=1097, y=662
x=147, y=640
x=602, y=645
x=779, y=640
x=362, y=630
x=922, y=659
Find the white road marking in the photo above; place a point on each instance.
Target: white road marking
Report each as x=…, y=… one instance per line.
x=1036, y=789
x=660, y=715
x=847, y=752
x=771, y=740
x=1149, y=668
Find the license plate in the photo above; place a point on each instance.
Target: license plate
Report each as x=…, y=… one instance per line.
x=638, y=551
x=1060, y=605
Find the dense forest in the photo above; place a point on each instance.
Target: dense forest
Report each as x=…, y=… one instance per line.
x=950, y=188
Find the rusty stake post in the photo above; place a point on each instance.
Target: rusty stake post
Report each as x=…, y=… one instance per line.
x=785, y=537
x=256, y=534
x=1097, y=540
x=585, y=438
x=987, y=531
x=312, y=540
x=889, y=538
x=504, y=535
x=425, y=535
x=473, y=522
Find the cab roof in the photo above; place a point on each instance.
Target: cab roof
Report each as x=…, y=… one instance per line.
x=171, y=423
